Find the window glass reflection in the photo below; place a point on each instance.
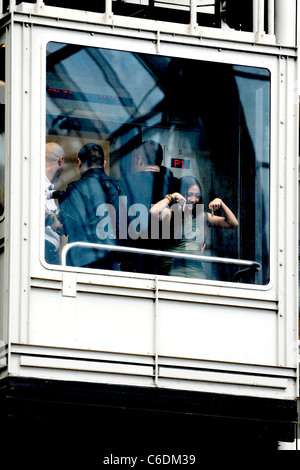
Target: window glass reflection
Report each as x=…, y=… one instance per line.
x=164, y=162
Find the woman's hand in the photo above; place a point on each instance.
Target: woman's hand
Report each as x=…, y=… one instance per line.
x=179, y=199
x=162, y=209
x=215, y=205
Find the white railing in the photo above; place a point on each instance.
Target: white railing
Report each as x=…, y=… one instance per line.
x=280, y=18
x=259, y=15
x=247, y=265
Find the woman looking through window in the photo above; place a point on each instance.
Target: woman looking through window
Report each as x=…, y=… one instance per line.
x=189, y=222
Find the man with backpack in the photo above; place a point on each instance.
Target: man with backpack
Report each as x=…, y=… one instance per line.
x=90, y=210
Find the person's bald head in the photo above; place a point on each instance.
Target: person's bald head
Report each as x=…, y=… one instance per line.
x=54, y=160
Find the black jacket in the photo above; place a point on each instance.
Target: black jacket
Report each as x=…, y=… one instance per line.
x=87, y=218
x=146, y=188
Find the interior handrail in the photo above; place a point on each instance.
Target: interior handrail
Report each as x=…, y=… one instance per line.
x=167, y=254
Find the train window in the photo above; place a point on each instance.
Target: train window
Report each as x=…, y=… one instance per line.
x=157, y=165
x=2, y=115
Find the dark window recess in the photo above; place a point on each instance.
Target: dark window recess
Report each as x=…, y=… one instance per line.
x=18, y=2
x=239, y=14
x=88, y=5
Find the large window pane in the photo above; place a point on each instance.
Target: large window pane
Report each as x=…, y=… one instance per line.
x=208, y=121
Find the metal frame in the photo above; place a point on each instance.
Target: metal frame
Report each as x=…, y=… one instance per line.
x=117, y=33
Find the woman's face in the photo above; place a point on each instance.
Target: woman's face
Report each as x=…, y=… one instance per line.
x=194, y=194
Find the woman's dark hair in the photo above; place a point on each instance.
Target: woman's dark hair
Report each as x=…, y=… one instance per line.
x=186, y=182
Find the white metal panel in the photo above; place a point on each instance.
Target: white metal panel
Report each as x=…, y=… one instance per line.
x=230, y=379
x=286, y=109
x=3, y=313
x=217, y=333
x=92, y=321
x=4, y=222
x=186, y=374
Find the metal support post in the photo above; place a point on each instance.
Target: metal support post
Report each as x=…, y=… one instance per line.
x=285, y=22
x=271, y=17
x=193, y=15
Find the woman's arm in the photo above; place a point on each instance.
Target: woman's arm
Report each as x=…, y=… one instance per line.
x=162, y=209
x=228, y=221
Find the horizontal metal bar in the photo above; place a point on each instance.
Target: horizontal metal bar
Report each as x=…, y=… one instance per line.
x=167, y=254
x=161, y=2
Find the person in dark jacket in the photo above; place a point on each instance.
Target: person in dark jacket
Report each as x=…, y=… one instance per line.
x=90, y=210
x=146, y=186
